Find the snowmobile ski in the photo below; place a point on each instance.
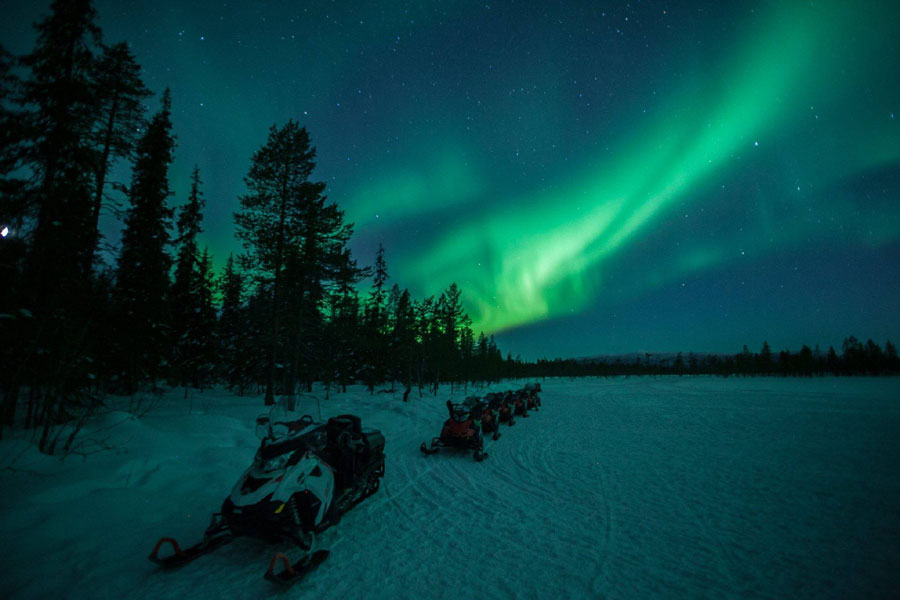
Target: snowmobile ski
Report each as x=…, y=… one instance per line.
x=426, y=450
x=293, y=573
x=181, y=556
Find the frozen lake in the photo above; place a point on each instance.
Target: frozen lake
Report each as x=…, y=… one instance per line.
x=616, y=488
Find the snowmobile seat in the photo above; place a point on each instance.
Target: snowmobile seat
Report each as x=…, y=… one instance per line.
x=343, y=428
x=374, y=440
x=350, y=447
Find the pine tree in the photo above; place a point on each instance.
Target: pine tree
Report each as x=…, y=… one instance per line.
x=61, y=94
x=13, y=214
x=15, y=206
x=120, y=93
x=319, y=264
x=270, y=223
x=143, y=264
x=59, y=104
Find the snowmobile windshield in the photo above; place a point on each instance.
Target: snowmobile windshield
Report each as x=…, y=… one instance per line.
x=460, y=413
x=311, y=438
x=279, y=424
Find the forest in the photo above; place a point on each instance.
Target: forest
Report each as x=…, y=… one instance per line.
x=293, y=308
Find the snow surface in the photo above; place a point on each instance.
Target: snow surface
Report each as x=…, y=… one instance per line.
x=617, y=488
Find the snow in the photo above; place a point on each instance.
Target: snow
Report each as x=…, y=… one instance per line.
x=616, y=488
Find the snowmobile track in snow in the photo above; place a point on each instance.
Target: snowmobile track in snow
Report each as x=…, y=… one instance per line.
x=616, y=488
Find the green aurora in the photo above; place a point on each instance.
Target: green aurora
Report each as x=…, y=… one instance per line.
x=596, y=176
x=525, y=266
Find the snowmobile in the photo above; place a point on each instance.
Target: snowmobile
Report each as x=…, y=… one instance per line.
x=490, y=420
x=489, y=414
x=304, y=476
x=532, y=389
x=461, y=430
x=521, y=407
x=504, y=407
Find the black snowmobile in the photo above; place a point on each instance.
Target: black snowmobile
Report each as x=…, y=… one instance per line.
x=504, y=403
x=461, y=430
x=490, y=415
x=305, y=475
x=521, y=406
x=534, y=400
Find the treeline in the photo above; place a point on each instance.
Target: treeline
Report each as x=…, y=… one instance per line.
x=284, y=313
x=855, y=358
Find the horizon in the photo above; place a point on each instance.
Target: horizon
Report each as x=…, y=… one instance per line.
x=596, y=180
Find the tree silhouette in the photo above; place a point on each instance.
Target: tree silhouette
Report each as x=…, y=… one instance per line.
x=142, y=283
x=270, y=222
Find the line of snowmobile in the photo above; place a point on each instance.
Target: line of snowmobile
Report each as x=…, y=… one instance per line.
x=306, y=475
x=471, y=420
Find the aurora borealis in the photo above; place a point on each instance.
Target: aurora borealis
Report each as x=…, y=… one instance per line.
x=597, y=177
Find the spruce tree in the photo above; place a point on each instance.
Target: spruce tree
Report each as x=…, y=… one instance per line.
x=233, y=339
x=340, y=345
x=203, y=326
x=143, y=264
x=466, y=350
x=184, y=298
x=427, y=330
x=403, y=351
x=450, y=317
x=375, y=324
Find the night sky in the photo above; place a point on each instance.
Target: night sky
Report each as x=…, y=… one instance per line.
x=598, y=177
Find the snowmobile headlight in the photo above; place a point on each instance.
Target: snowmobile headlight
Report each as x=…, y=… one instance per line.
x=275, y=464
